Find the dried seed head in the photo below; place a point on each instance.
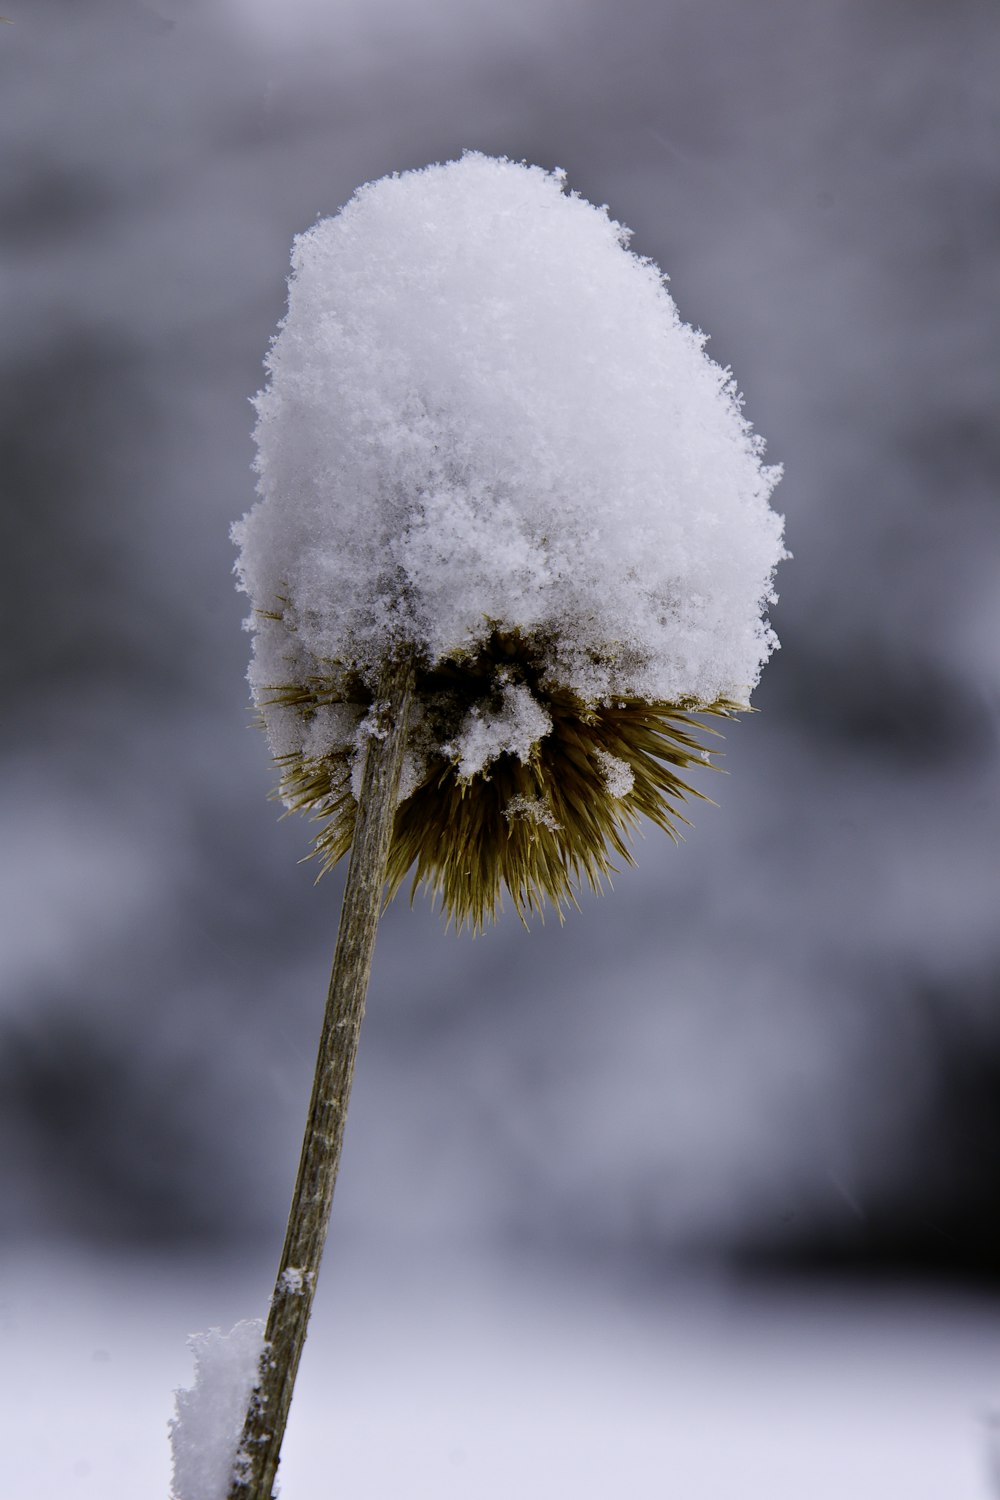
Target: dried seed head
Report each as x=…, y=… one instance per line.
x=542, y=824
x=488, y=439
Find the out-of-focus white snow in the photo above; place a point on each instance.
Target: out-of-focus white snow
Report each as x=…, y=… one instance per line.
x=453, y=1377
x=205, y=1433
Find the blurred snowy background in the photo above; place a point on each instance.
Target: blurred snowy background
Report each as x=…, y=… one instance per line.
x=775, y=1050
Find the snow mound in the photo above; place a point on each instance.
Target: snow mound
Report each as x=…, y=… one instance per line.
x=484, y=414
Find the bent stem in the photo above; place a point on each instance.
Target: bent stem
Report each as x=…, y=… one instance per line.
x=260, y=1445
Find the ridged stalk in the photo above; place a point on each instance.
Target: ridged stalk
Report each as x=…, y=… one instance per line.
x=298, y=1271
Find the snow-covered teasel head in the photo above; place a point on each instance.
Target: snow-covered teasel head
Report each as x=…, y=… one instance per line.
x=488, y=439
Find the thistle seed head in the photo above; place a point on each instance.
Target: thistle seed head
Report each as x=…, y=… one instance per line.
x=488, y=440
x=542, y=824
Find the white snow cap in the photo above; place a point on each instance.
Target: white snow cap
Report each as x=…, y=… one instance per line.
x=484, y=412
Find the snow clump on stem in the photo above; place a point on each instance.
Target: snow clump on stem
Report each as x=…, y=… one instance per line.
x=488, y=439
x=205, y=1431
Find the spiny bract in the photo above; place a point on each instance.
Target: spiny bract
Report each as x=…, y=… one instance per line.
x=540, y=826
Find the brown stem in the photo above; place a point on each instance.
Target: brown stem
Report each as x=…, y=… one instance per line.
x=267, y=1413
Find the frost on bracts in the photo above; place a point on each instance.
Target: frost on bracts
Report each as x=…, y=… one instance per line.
x=539, y=818
x=489, y=442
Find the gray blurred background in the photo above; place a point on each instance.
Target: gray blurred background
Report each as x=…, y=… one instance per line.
x=778, y=1044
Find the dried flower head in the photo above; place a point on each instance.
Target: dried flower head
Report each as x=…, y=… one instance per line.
x=489, y=441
